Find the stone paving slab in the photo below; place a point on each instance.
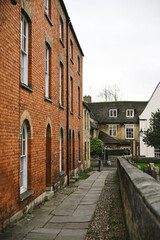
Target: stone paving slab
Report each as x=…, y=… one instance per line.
x=66, y=217
x=85, y=210
x=70, y=219
x=67, y=225
x=43, y=234
x=68, y=234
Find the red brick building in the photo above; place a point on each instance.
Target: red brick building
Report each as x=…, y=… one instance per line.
x=40, y=102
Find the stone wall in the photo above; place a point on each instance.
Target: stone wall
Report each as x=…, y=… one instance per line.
x=141, y=201
x=147, y=160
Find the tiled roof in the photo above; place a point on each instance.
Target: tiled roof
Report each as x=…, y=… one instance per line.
x=110, y=140
x=100, y=110
x=106, y=138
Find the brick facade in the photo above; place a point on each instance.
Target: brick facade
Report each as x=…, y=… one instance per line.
x=44, y=117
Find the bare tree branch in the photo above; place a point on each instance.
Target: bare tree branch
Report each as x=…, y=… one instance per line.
x=110, y=93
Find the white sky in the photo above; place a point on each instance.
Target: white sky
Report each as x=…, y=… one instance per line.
x=121, y=43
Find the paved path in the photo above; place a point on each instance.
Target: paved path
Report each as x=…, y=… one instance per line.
x=68, y=218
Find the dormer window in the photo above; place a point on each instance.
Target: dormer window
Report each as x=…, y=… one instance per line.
x=130, y=113
x=113, y=113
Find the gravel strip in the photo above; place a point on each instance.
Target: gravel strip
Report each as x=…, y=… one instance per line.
x=108, y=221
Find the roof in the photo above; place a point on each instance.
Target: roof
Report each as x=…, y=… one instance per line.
x=86, y=106
x=70, y=24
x=101, y=111
x=110, y=140
x=152, y=105
x=106, y=138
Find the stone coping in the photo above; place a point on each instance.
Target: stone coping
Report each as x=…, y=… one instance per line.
x=145, y=185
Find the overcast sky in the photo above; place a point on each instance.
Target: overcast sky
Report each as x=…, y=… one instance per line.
x=121, y=43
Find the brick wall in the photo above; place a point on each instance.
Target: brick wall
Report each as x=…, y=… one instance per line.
x=19, y=104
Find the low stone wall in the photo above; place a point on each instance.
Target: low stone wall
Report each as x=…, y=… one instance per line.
x=141, y=201
x=147, y=160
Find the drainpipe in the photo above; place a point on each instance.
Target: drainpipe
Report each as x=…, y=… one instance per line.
x=67, y=54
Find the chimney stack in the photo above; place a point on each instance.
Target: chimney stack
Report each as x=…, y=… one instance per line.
x=87, y=99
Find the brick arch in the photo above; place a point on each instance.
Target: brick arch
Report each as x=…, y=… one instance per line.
x=26, y=117
x=48, y=121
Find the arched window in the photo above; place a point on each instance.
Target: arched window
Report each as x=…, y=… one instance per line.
x=24, y=159
x=61, y=151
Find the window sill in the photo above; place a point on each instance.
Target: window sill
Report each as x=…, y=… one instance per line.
x=71, y=60
x=61, y=107
x=26, y=195
x=48, y=18
x=79, y=73
x=61, y=173
x=23, y=85
x=48, y=100
x=71, y=113
x=61, y=42
x=79, y=117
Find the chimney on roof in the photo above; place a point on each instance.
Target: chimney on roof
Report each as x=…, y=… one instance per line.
x=87, y=99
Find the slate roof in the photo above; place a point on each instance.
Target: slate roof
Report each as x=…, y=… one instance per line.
x=100, y=110
x=86, y=106
x=106, y=138
x=110, y=140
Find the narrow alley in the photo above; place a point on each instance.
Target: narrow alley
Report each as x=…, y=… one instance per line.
x=70, y=213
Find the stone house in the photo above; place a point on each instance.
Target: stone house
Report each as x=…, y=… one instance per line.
x=152, y=106
x=118, y=122
x=41, y=112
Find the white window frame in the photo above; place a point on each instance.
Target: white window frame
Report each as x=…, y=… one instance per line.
x=130, y=113
x=24, y=160
x=71, y=94
x=113, y=113
x=46, y=71
x=61, y=29
x=127, y=131
x=61, y=84
x=47, y=7
x=157, y=152
x=113, y=130
x=24, y=50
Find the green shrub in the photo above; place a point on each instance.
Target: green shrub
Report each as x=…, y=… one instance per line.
x=97, y=146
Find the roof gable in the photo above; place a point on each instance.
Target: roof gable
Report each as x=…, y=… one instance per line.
x=153, y=104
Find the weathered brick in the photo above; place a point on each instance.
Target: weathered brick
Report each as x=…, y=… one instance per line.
x=15, y=99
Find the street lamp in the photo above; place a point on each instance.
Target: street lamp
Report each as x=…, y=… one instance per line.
x=140, y=133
